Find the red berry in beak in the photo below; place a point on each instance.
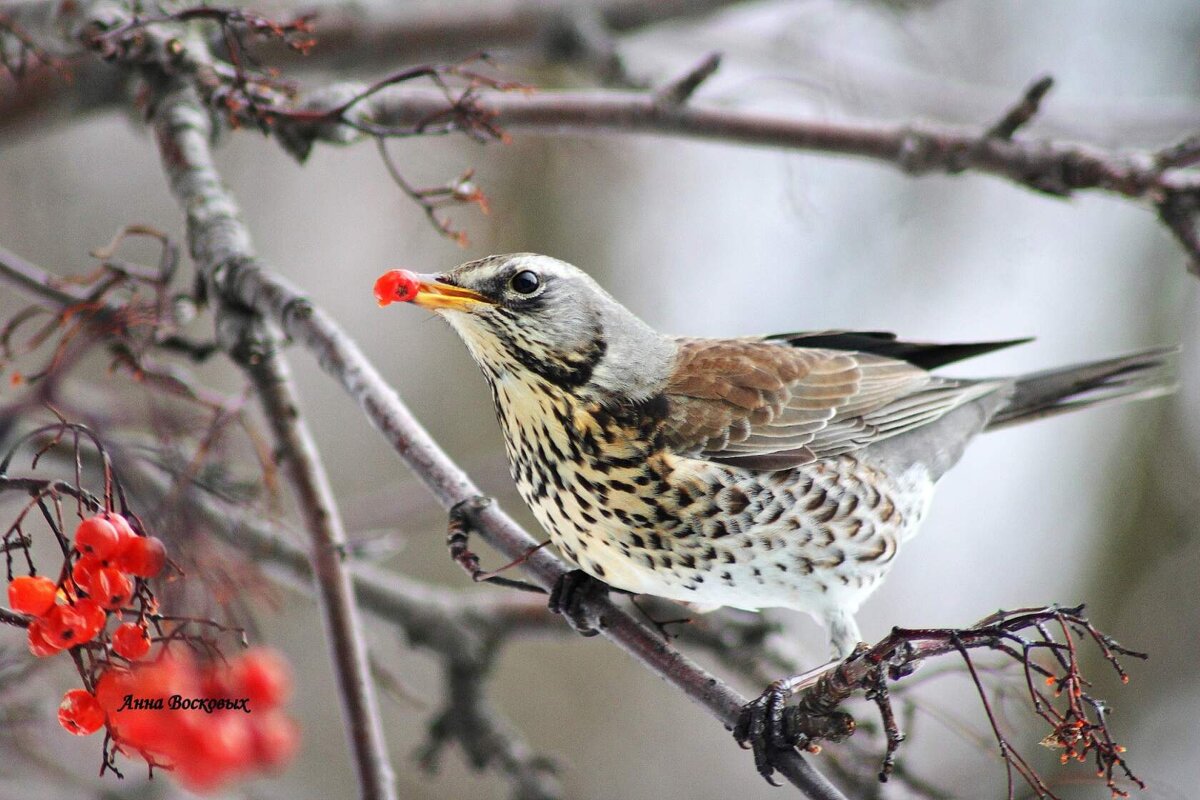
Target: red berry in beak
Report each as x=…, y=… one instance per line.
x=396, y=286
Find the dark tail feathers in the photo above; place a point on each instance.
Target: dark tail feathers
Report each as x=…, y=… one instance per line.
x=1055, y=391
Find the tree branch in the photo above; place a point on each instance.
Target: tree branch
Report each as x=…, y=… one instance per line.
x=365, y=38
x=298, y=452
x=1159, y=179
x=917, y=149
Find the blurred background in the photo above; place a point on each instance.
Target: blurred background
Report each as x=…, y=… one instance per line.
x=720, y=240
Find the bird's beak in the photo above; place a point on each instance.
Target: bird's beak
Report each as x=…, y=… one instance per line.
x=402, y=286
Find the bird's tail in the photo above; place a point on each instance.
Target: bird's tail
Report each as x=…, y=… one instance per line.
x=1148, y=373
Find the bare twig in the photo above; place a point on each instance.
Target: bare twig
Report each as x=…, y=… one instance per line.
x=1020, y=114
x=13, y=618
x=1076, y=719
x=680, y=90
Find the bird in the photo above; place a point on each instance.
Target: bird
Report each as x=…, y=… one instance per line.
x=775, y=471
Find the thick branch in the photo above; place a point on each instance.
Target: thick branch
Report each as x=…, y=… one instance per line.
x=1060, y=169
x=364, y=38
x=1045, y=166
x=343, y=627
x=220, y=245
x=445, y=30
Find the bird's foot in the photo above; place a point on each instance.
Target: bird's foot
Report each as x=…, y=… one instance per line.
x=571, y=596
x=769, y=727
x=462, y=520
x=761, y=727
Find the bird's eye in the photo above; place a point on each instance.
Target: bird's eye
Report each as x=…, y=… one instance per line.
x=524, y=282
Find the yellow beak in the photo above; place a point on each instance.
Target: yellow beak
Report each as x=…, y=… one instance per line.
x=402, y=286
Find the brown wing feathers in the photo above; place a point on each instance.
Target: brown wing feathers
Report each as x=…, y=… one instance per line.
x=762, y=405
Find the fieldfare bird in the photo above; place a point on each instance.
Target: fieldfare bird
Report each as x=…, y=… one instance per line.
x=756, y=472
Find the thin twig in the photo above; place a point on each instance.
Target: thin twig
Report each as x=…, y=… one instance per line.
x=680, y=90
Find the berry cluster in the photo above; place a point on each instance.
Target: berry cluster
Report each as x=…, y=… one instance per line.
x=209, y=723
x=110, y=558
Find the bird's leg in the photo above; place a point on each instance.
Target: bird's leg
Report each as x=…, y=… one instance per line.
x=458, y=535
x=572, y=595
x=844, y=635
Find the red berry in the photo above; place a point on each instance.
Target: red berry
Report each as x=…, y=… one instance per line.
x=79, y=713
x=125, y=531
x=110, y=588
x=84, y=569
x=131, y=641
x=213, y=750
x=112, y=686
x=31, y=594
x=276, y=738
x=39, y=644
x=264, y=677
x=97, y=537
x=144, y=556
x=396, y=286
x=94, y=618
x=65, y=627
x=162, y=732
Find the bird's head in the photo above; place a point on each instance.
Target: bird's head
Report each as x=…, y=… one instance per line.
x=526, y=315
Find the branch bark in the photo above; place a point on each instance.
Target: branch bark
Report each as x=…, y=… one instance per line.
x=557, y=31
x=343, y=628
x=1049, y=167
x=212, y=217
x=1159, y=179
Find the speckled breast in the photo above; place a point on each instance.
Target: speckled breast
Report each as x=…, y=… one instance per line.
x=623, y=508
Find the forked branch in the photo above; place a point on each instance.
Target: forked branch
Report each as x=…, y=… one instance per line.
x=1042, y=642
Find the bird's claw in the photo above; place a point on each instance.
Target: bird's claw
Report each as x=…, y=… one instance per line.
x=463, y=513
x=571, y=596
x=770, y=727
x=761, y=727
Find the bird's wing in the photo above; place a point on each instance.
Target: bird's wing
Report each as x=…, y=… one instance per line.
x=764, y=405
x=927, y=355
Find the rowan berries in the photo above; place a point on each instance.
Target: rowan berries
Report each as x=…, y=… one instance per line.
x=39, y=643
x=276, y=738
x=31, y=594
x=131, y=641
x=84, y=569
x=143, y=556
x=396, y=286
x=94, y=618
x=112, y=686
x=79, y=713
x=110, y=587
x=97, y=537
x=262, y=676
x=63, y=626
